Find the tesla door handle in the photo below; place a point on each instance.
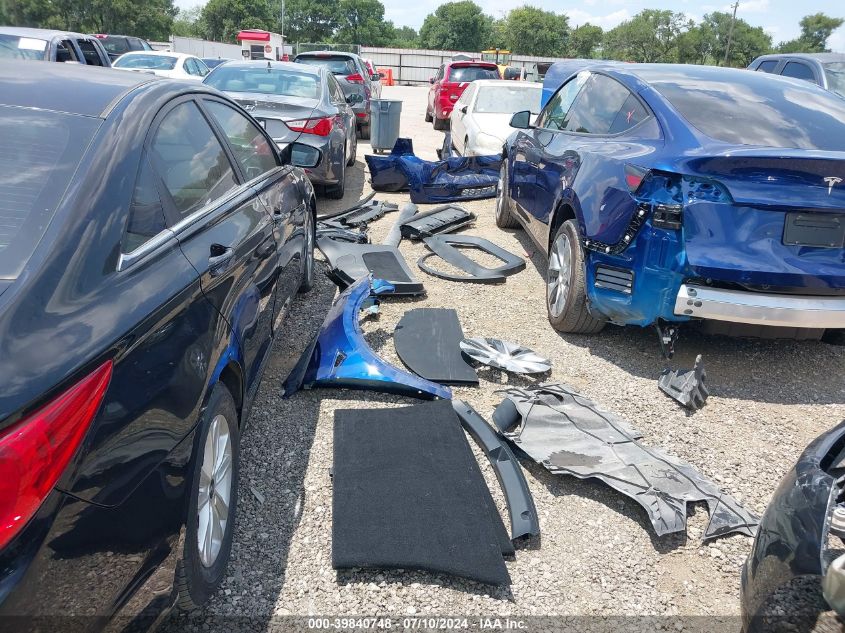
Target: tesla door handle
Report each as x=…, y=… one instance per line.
x=219, y=259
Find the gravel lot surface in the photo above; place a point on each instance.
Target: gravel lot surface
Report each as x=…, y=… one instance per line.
x=598, y=554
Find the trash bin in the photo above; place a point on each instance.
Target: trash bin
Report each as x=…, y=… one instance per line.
x=384, y=121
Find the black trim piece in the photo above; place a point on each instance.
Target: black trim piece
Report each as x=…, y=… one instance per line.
x=523, y=513
x=349, y=262
x=427, y=341
x=449, y=217
x=637, y=220
x=613, y=278
x=444, y=246
x=395, y=236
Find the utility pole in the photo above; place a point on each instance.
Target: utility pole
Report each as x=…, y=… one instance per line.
x=730, y=33
x=282, y=26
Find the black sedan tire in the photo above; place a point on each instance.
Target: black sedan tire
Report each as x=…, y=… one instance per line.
x=566, y=297
x=212, y=502
x=353, y=150
x=364, y=131
x=505, y=218
x=335, y=192
x=306, y=281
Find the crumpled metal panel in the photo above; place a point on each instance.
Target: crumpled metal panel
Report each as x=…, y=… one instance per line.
x=449, y=180
x=569, y=434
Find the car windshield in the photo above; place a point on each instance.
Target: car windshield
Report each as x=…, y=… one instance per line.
x=335, y=65
x=38, y=156
x=508, y=99
x=471, y=73
x=114, y=45
x=835, y=72
x=263, y=80
x=745, y=108
x=17, y=47
x=211, y=62
x=153, y=62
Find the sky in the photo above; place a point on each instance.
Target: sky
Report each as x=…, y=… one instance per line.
x=778, y=17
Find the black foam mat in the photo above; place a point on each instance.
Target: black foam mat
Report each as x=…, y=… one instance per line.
x=408, y=494
x=428, y=342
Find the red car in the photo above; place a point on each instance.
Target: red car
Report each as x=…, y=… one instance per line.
x=448, y=85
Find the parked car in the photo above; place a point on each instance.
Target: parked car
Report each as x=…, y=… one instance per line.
x=156, y=240
x=352, y=75
x=824, y=69
x=480, y=121
x=448, y=85
x=664, y=193
x=117, y=45
x=213, y=62
x=163, y=64
x=375, y=76
x=295, y=102
x=51, y=46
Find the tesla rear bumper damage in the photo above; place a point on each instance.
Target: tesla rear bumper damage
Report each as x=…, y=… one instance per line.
x=340, y=356
x=793, y=539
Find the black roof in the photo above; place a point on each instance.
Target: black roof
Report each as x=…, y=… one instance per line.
x=71, y=88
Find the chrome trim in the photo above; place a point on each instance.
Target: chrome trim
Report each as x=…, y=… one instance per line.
x=153, y=244
x=738, y=306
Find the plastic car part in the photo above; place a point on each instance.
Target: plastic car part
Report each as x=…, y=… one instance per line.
x=352, y=236
x=408, y=493
x=336, y=214
x=686, y=386
x=569, y=434
x=340, y=357
x=349, y=262
x=833, y=585
x=505, y=355
x=444, y=246
x=395, y=236
x=363, y=215
x=793, y=540
x=449, y=217
x=521, y=509
x=430, y=182
x=427, y=341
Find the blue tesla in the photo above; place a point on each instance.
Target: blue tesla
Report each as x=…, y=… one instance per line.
x=668, y=193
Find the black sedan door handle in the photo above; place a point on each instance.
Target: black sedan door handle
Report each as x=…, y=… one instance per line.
x=219, y=258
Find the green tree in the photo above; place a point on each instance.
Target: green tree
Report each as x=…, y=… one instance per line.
x=362, y=22
x=706, y=43
x=311, y=20
x=584, y=41
x=458, y=26
x=650, y=36
x=815, y=31
x=224, y=18
x=533, y=31
x=405, y=37
x=188, y=23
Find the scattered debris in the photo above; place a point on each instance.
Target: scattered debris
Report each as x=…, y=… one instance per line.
x=447, y=247
x=350, y=262
x=686, y=386
x=505, y=355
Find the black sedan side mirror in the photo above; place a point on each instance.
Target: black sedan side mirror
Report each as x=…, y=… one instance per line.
x=354, y=98
x=300, y=154
x=464, y=109
x=522, y=120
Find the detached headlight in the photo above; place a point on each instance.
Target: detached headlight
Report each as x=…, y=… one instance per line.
x=488, y=144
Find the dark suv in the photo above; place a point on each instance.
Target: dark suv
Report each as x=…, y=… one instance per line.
x=117, y=45
x=824, y=69
x=354, y=78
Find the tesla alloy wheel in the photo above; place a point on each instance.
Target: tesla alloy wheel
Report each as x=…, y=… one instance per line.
x=213, y=501
x=566, y=298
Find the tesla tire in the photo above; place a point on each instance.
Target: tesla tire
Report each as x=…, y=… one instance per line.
x=504, y=216
x=566, y=297
x=213, y=502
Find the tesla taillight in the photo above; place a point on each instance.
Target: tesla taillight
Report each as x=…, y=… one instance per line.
x=320, y=127
x=35, y=451
x=355, y=78
x=634, y=177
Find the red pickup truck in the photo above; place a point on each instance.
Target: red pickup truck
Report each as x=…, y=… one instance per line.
x=448, y=86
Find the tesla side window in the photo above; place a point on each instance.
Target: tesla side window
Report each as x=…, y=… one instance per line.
x=630, y=114
x=146, y=214
x=768, y=66
x=553, y=116
x=190, y=159
x=598, y=103
x=252, y=151
x=799, y=71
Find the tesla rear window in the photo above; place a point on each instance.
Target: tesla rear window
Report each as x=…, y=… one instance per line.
x=458, y=74
x=268, y=81
x=39, y=153
x=153, y=62
x=335, y=65
x=747, y=108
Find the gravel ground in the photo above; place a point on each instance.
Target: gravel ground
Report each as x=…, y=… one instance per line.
x=598, y=555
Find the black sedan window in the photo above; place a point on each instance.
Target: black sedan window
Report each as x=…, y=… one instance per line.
x=753, y=108
x=251, y=148
x=39, y=154
x=190, y=160
x=146, y=214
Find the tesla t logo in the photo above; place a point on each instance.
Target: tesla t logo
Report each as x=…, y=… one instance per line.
x=832, y=181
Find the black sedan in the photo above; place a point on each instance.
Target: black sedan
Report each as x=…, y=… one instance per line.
x=151, y=240
x=300, y=103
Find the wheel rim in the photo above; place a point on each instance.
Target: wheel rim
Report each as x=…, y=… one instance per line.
x=500, y=192
x=560, y=274
x=309, y=245
x=215, y=491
